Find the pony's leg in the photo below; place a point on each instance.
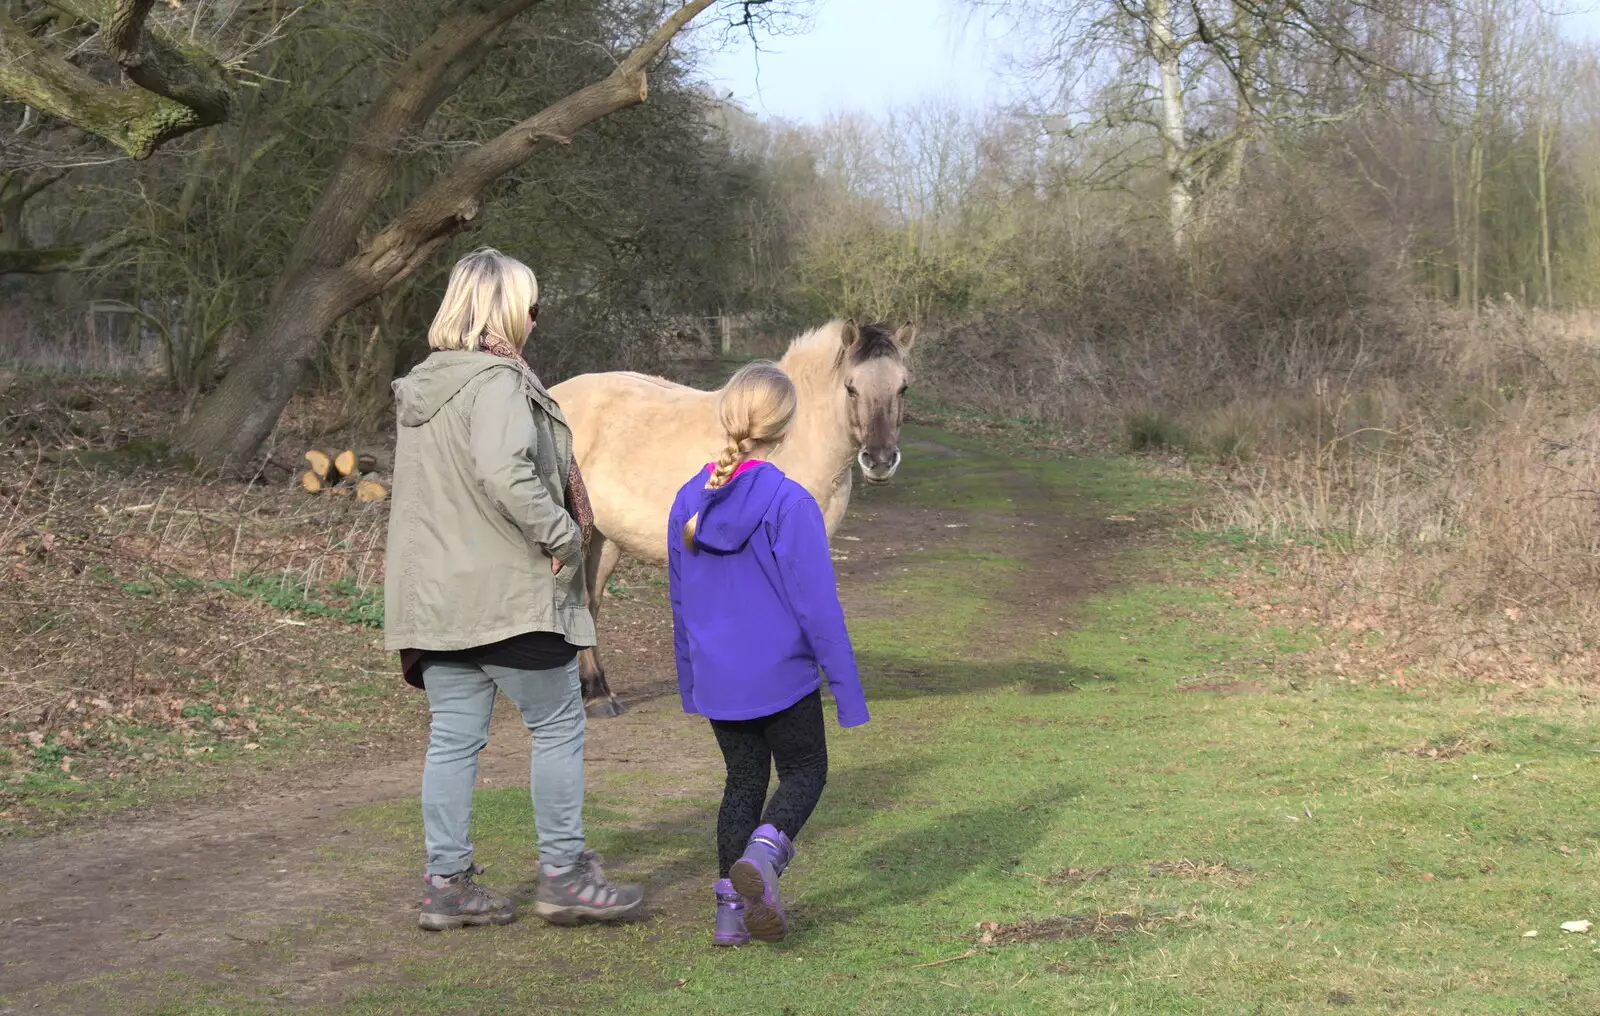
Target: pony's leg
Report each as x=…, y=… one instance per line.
x=598, y=701
x=838, y=500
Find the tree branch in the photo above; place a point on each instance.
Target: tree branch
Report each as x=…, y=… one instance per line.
x=452, y=202
x=177, y=92
x=430, y=75
x=194, y=79
x=49, y=260
x=33, y=188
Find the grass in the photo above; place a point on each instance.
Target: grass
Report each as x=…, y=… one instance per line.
x=1066, y=821
x=342, y=599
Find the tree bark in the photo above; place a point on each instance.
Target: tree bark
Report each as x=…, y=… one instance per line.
x=1165, y=50
x=178, y=90
x=1545, y=140
x=1231, y=175
x=317, y=289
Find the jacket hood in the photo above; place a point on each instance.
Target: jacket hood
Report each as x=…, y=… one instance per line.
x=436, y=380
x=730, y=514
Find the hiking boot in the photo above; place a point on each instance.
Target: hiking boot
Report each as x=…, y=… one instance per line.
x=730, y=916
x=454, y=900
x=582, y=892
x=755, y=877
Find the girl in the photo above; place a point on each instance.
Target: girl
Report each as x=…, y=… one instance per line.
x=755, y=612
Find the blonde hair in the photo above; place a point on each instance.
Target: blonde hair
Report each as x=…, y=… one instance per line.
x=756, y=408
x=489, y=294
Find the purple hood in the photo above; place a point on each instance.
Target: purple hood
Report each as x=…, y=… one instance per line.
x=755, y=606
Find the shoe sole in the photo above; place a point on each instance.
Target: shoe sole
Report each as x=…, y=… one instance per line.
x=763, y=920
x=564, y=913
x=449, y=922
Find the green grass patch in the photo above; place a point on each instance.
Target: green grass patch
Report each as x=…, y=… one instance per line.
x=292, y=593
x=1150, y=806
x=1135, y=845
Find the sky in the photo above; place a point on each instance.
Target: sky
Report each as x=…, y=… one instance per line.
x=863, y=55
x=872, y=55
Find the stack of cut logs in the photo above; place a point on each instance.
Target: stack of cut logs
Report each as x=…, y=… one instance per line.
x=342, y=473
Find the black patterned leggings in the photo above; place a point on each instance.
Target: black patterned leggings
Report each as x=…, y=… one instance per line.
x=796, y=740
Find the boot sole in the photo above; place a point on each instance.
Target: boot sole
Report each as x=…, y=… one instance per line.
x=763, y=921
x=449, y=922
x=562, y=913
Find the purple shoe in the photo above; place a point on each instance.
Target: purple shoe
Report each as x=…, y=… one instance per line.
x=730, y=916
x=755, y=877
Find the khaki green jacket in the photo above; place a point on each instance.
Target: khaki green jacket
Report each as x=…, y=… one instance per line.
x=480, y=471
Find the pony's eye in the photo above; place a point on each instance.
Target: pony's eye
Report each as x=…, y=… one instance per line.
x=851, y=389
x=904, y=389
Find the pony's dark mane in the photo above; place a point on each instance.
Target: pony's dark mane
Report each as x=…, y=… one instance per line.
x=876, y=342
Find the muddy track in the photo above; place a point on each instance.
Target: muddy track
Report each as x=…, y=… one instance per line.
x=201, y=888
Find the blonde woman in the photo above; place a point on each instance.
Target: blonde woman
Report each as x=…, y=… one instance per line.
x=755, y=612
x=484, y=591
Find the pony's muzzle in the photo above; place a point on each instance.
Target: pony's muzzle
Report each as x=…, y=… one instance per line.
x=878, y=465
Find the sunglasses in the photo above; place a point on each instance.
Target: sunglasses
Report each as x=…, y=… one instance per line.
x=533, y=312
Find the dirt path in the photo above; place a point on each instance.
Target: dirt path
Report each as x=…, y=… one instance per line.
x=201, y=888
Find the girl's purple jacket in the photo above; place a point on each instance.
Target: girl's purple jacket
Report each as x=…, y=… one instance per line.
x=755, y=607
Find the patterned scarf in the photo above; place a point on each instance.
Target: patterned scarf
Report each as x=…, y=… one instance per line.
x=577, y=494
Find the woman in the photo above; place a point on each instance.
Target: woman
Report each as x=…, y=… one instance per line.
x=484, y=590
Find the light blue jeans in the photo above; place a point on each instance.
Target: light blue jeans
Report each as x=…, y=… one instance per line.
x=461, y=696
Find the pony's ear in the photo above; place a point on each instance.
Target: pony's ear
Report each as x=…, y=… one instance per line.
x=905, y=335
x=849, y=334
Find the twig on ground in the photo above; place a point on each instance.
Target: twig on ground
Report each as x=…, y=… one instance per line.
x=948, y=959
x=240, y=645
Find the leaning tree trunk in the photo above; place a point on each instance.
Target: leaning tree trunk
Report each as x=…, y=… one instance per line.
x=234, y=421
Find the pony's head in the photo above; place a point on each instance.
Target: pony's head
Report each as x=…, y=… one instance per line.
x=872, y=363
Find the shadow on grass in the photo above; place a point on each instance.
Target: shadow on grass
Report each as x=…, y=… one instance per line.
x=895, y=678
x=910, y=864
x=676, y=850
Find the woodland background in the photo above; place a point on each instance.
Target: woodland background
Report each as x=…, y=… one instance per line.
x=1341, y=257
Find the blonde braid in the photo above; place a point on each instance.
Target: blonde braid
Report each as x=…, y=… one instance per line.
x=756, y=408
x=727, y=462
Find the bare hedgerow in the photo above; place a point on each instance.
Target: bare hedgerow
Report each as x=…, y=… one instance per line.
x=1457, y=509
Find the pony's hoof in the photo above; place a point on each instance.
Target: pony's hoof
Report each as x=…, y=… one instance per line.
x=603, y=709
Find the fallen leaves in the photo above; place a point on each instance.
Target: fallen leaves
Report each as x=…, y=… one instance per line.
x=1060, y=927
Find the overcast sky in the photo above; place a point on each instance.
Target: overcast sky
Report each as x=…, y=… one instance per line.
x=866, y=55
x=871, y=55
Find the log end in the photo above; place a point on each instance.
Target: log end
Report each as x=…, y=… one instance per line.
x=320, y=462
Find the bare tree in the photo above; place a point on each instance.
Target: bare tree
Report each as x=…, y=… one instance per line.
x=1204, y=77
